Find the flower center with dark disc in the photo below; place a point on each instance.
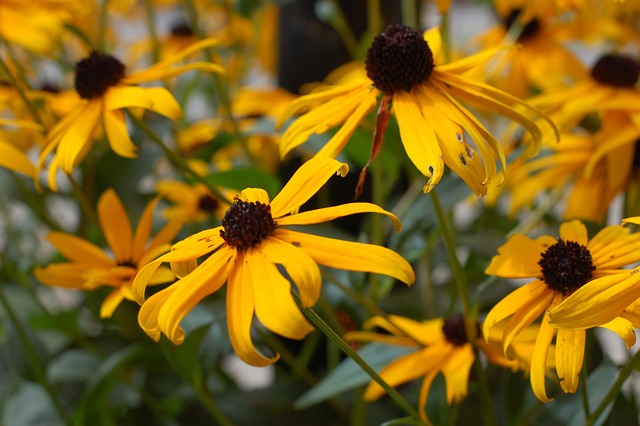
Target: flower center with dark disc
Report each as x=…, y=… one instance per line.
x=566, y=266
x=96, y=73
x=455, y=331
x=182, y=30
x=528, y=30
x=246, y=224
x=616, y=70
x=399, y=58
x=208, y=203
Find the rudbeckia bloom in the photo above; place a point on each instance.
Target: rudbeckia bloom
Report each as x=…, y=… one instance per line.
x=90, y=267
x=247, y=251
x=441, y=347
x=602, y=300
x=559, y=266
x=104, y=89
x=190, y=202
x=405, y=69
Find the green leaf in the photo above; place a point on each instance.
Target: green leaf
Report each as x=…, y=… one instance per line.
x=348, y=375
x=242, y=178
x=404, y=421
x=73, y=365
x=29, y=405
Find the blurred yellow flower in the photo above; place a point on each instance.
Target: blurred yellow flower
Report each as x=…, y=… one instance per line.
x=246, y=253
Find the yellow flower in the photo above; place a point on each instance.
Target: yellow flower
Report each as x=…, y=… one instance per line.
x=12, y=157
x=90, y=267
x=441, y=347
x=406, y=69
x=191, y=202
x=559, y=267
x=247, y=251
x=104, y=89
x=602, y=300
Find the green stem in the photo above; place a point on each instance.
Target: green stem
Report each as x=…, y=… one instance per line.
x=210, y=404
x=328, y=331
x=20, y=88
x=153, y=32
x=84, y=202
x=378, y=292
x=409, y=13
x=34, y=359
x=583, y=391
x=102, y=25
x=374, y=17
x=373, y=308
x=177, y=161
x=624, y=373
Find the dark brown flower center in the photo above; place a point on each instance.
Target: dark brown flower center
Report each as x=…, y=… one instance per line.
x=399, y=58
x=208, y=203
x=96, y=73
x=528, y=30
x=128, y=264
x=566, y=266
x=455, y=332
x=182, y=30
x=616, y=70
x=247, y=224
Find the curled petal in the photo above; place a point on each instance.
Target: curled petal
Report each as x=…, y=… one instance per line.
x=329, y=213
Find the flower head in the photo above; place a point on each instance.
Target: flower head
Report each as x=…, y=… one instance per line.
x=441, y=346
x=405, y=69
x=90, y=267
x=559, y=267
x=247, y=252
x=103, y=89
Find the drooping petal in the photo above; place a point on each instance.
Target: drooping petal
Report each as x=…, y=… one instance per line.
x=66, y=275
x=304, y=183
x=14, y=159
x=517, y=258
x=574, y=231
x=456, y=372
x=300, y=267
x=78, y=249
x=350, y=255
x=426, y=332
x=409, y=367
x=118, y=135
x=524, y=317
x=253, y=195
x=157, y=99
x=569, y=357
x=274, y=304
x=203, y=281
x=148, y=313
x=623, y=328
x=115, y=225
x=424, y=395
x=78, y=135
x=143, y=229
x=111, y=302
x=418, y=138
x=597, y=302
x=240, y=308
x=540, y=355
x=512, y=303
x=327, y=214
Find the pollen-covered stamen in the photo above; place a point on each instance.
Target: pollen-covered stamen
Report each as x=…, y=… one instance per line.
x=95, y=74
x=566, y=266
x=528, y=30
x=399, y=59
x=182, y=30
x=616, y=70
x=208, y=203
x=246, y=224
x=454, y=331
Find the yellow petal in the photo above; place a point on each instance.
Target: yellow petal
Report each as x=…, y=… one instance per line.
x=205, y=280
x=111, y=302
x=148, y=313
x=253, y=195
x=78, y=135
x=540, y=355
x=456, y=372
x=434, y=39
x=425, y=333
x=159, y=73
x=143, y=230
x=597, y=302
x=300, y=267
x=275, y=307
x=240, y=308
x=14, y=159
x=115, y=225
x=418, y=138
x=157, y=99
x=349, y=255
x=512, y=303
x=569, y=356
x=118, y=135
x=304, y=183
x=524, y=317
x=574, y=231
x=79, y=250
x=623, y=328
x=329, y=213
x=424, y=395
x=66, y=275
x=517, y=258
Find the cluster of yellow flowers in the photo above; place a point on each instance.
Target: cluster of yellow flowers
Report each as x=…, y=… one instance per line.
x=521, y=116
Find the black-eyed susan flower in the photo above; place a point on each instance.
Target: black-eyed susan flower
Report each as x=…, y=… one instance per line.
x=602, y=300
x=190, y=202
x=247, y=252
x=90, y=267
x=104, y=89
x=406, y=70
x=441, y=347
x=558, y=267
